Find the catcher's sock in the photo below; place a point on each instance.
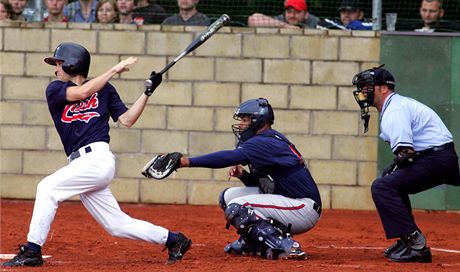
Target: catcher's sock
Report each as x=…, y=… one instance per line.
x=34, y=247
x=173, y=237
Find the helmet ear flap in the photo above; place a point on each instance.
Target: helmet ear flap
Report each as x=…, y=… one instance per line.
x=69, y=65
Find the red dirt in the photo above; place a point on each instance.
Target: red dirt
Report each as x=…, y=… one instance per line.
x=342, y=241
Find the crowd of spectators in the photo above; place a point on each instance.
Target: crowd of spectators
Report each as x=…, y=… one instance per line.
x=350, y=14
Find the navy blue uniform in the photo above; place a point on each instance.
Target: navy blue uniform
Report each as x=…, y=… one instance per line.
x=295, y=199
x=83, y=122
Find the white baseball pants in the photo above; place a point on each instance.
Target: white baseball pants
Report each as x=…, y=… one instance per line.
x=89, y=176
x=297, y=212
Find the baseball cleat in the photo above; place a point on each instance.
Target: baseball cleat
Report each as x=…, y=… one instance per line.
x=293, y=254
x=25, y=257
x=410, y=255
x=237, y=247
x=177, y=250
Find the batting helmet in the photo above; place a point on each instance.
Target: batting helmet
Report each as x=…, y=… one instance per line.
x=260, y=112
x=75, y=58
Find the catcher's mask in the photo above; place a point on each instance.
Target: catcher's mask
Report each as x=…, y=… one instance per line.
x=365, y=83
x=75, y=58
x=259, y=111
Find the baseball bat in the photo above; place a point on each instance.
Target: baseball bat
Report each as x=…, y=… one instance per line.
x=204, y=36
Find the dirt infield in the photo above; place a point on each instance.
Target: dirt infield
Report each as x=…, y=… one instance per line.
x=342, y=241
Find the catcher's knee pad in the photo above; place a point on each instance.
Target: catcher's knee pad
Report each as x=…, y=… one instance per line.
x=239, y=216
x=222, y=203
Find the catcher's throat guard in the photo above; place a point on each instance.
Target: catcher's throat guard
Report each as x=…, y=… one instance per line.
x=161, y=166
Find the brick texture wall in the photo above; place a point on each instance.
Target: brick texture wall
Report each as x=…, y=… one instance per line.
x=305, y=74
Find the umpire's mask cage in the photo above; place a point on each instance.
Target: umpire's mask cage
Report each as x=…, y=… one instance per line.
x=364, y=93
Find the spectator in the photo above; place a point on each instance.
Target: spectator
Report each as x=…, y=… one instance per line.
x=81, y=11
x=296, y=15
x=188, y=15
x=431, y=13
x=55, y=11
x=125, y=9
x=18, y=9
x=6, y=10
x=147, y=12
x=107, y=12
x=351, y=17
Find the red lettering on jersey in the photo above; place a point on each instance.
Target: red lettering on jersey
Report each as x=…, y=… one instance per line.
x=74, y=112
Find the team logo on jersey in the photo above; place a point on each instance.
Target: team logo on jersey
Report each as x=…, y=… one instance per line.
x=79, y=111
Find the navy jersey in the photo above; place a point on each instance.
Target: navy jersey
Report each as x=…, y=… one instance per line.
x=275, y=157
x=80, y=123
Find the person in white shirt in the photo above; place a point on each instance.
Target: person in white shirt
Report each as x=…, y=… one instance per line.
x=425, y=157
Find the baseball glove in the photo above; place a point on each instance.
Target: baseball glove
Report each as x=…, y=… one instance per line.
x=162, y=166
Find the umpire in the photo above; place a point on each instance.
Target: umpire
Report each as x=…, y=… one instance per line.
x=425, y=157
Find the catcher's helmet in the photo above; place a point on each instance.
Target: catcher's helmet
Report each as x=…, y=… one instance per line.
x=76, y=58
x=260, y=112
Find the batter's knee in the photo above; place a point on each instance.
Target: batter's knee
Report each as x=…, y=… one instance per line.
x=45, y=191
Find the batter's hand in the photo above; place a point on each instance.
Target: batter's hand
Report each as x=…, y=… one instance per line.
x=236, y=171
x=122, y=66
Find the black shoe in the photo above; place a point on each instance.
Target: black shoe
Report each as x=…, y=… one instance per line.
x=398, y=246
x=410, y=255
x=178, y=249
x=25, y=257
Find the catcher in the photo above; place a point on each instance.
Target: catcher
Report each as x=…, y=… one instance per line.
x=280, y=197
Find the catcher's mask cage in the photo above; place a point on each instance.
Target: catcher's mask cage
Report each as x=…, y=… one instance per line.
x=259, y=111
x=364, y=93
x=76, y=59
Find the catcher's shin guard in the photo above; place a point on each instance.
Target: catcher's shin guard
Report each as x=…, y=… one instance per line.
x=279, y=246
x=240, y=217
x=273, y=243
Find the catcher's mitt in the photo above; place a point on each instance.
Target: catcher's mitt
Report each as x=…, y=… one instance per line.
x=162, y=166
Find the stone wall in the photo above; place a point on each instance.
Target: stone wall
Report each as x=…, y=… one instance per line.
x=305, y=74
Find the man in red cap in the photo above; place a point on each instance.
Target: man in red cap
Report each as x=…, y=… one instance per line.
x=295, y=15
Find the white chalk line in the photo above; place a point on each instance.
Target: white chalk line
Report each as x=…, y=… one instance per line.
x=11, y=256
x=380, y=248
x=361, y=247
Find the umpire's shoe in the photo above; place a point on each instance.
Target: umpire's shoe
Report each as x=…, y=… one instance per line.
x=410, y=255
x=412, y=248
x=177, y=250
x=396, y=247
x=25, y=257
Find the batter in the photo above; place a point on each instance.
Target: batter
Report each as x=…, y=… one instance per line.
x=80, y=109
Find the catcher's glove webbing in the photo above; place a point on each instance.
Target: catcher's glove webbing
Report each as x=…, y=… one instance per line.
x=162, y=166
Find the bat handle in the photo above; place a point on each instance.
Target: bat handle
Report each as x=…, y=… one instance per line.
x=167, y=67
